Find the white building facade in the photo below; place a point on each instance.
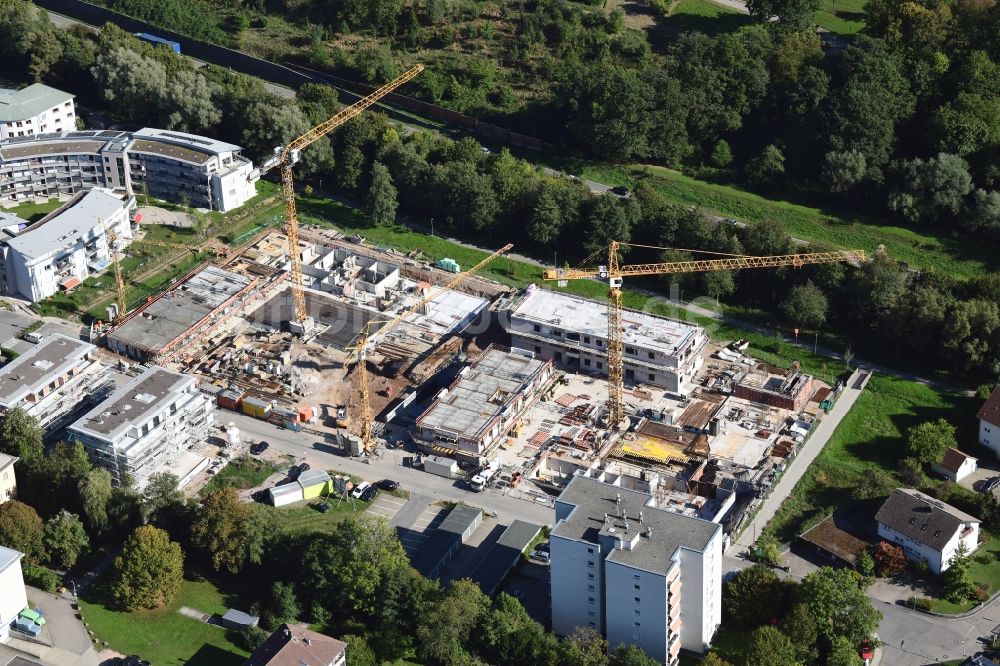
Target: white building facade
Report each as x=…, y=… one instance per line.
x=67, y=246
x=926, y=528
x=54, y=379
x=37, y=109
x=8, y=481
x=173, y=166
x=13, y=596
x=145, y=425
x=634, y=572
x=572, y=331
x=989, y=422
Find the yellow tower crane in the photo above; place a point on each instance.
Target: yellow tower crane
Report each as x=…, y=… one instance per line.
x=285, y=157
x=614, y=272
x=362, y=344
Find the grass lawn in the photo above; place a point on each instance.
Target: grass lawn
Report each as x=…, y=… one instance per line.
x=163, y=636
x=300, y=517
x=960, y=257
x=32, y=212
x=242, y=473
x=844, y=17
x=985, y=570
x=871, y=436
x=705, y=16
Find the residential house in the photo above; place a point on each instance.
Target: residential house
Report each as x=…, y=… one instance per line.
x=290, y=646
x=8, y=484
x=956, y=465
x=13, y=597
x=926, y=528
x=989, y=422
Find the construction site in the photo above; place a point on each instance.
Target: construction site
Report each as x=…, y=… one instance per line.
x=511, y=389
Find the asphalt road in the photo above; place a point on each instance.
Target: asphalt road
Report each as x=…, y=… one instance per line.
x=436, y=488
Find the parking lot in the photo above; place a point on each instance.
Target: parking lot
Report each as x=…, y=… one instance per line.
x=386, y=506
x=414, y=536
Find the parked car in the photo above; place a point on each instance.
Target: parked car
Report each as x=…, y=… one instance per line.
x=370, y=493
x=388, y=484
x=360, y=488
x=991, y=484
x=541, y=555
x=259, y=448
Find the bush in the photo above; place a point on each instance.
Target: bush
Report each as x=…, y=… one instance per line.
x=920, y=603
x=981, y=593
x=252, y=637
x=921, y=569
x=41, y=577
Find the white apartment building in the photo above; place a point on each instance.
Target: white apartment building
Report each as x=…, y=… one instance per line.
x=173, y=166
x=926, y=528
x=8, y=482
x=37, y=109
x=572, y=331
x=989, y=422
x=633, y=571
x=64, y=248
x=13, y=596
x=145, y=425
x=53, y=379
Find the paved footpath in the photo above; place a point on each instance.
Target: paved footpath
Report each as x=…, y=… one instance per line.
x=798, y=466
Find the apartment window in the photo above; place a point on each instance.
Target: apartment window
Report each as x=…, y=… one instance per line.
x=652, y=355
x=538, y=350
x=636, y=612
x=636, y=600
x=600, y=366
x=635, y=576
x=636, y=587
x=586, y=339
x=538, y=329
x=590, y=551
x=590, y=600
x=635, y=624
x=555, y=332
x=586, y=362
x=590, y=588
x=592, y=624
x=652, y=377
x=590, y=576
x=590, y=564
x=630, y=350
x=575, y=337
x=600, y=343
x=592, y=613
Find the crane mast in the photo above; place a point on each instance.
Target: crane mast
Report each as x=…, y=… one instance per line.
x=614, y=273
x=361, y=345
x=285, y=158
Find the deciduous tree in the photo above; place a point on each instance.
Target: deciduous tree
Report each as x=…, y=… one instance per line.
x=928, y=441
x=65, y=539
x=230, y=532
x=805, y=306
x=768, y=647
x=753, y=596
x=382, y=202
x=95, y=493
x=22, y=529
x=150, y=570
x=839, y=605
x=447, y=625
x=20, y=435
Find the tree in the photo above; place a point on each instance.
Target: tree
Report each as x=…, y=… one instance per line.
x=20, y=435
x=22, y=529
x=865, y=563
x=800, y=627
x=753, y=596
x=791, y=14
x=359, y=651
x=130, y=80
x=843, y=653
x=160, y=495
x=584, y=647
x=446, y=626
x=722, y=154
x=45, y=51
x=630, y=655
x=510, y=637
x=187, y=101
x=546, y=218
x=928, y=441
x=230, y=532
x=957, y=579
x=844, y=170
x=805, y=306
x=150, y=570
x=768, y=646
x=718, y=284
x=608, y=221
x=283, y=606
x=839, y=605
x=401, y=596
x=766, y=169
x=65, y=539
x=382, y=202
x=95, y=493
x=933, y=189
x=713, y=659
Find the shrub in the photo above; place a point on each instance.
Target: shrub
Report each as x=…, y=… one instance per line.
x=41, y=577
x=920, y=603
x=921, y=569
x=981, y=593
x=889, y=559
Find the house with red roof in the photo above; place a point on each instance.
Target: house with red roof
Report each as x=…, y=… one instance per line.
x=989, y=422
x=955, y=465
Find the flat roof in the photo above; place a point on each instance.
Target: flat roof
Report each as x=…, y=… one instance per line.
x=50, y=145
x=61, y=229
x=194, y=143
x=133, y=404
x=460, y=518
x=169, y=317
x=592, y=499
x=587, y=317
x=38, y=366
x=8, y=556
x=504, y=554
x=482, y=392
x=30, y=102
x=182, y=153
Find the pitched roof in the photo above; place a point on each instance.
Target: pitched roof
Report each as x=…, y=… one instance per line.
x=954, y=459
x=922, y=518
x=990, y=411
x=296, y=647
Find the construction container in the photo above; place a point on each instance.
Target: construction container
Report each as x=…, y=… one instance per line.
x=281, y=416
x=442, y=466
x=307, y=414
x=229, y=400
x=314, y=482
x=256, y=407
x=449, y=265
x=286, y=494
